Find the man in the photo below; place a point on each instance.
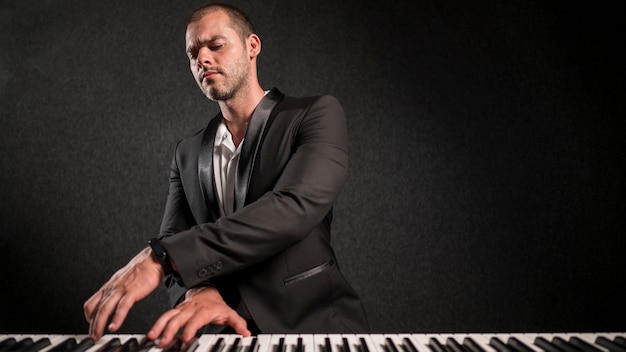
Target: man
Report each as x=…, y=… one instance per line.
x=245, y=238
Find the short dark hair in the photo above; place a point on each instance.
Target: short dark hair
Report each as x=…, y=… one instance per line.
x=239, y=19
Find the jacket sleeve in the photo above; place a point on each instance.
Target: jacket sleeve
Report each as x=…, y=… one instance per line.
x=316, y=167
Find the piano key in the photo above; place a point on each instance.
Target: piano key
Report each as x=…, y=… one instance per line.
x=564, y=345
x=146, y=345
x=218, y=345
x=346, y=344
x=471, y=344
x=620, y=341
x=610, y=345
x=130, y=345
x=22, y=344
x=334, y=343
x=499, y=345
x=436, y=345
x=391, y=345
x=397, y=343
x=453, y=345
x=308, y=343
x=84, y=345
x=66, y=345
x=206, y=341
x=293, y=342
x=280, y=345
x=299, y=345
x=361, y=343
x=546, y=345
x=378, y=342
x=7, y=343
x=484, y=340
x=263, y=343
x=583, y=345
x=235, y=346
x=409, y=345
x=39, y=344
x=518, y=345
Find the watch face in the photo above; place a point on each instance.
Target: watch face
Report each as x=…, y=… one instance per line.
x=157, y=248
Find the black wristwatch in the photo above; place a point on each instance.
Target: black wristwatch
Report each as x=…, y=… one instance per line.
x=161, y=254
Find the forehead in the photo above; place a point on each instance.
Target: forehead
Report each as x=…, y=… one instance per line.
x=213, y=24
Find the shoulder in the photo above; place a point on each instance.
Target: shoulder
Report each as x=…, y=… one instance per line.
x=194, y=140
x=290, y=102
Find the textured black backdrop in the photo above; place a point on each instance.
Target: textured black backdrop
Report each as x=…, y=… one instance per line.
x=486, y=187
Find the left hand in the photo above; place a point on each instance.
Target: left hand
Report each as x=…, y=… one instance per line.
x=202, y=306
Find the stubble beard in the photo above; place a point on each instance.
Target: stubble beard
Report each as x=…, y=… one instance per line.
x=236, y=82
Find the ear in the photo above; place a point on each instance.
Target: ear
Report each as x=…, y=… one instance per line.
x=254, y=45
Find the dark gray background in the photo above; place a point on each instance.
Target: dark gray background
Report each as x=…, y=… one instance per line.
x=487, y=154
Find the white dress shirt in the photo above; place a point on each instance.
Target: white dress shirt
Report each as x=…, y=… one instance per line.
x=225, y=160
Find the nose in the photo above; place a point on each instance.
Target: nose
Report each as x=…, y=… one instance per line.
x=204, y=57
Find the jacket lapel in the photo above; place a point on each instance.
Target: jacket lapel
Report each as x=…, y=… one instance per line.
x=205, y=168
x=251, y=144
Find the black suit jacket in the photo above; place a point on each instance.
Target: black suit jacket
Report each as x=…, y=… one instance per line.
x=274, y=251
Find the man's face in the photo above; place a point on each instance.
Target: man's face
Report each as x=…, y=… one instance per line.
x=217, y=56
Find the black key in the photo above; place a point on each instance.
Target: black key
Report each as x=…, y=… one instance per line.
x=40, y=344
x=281, y=345
x=7, y=343
x=499, y=345
x=346, y=344
x=253, y=345
x=110, y=345
x=471, y=345
x=327, y=345
x=436, y=346
x=84, y=345
x=235, y=346
x=218, y=346
x=408, y=345
x=610, y=345
x=22, y=344
x=583, y=345
x=175, y=346
x=299, y=346
x=192, y=345
x=518, y=345
x=65, y=345
x=145, y=345
x=364, y=347
x=620, y=341
x=546, y=345
x=454, y=346
x=391, y=346
x=130, y=345
x=564, y=345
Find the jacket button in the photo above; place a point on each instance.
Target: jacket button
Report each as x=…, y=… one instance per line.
x=203, y=273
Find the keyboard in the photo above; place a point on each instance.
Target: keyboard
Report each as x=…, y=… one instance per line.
x=409, y=342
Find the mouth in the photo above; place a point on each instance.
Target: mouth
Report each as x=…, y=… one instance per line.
x=209, y=75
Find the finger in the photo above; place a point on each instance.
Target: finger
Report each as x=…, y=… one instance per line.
x=123, y=307
x=103, y=312
x=159, y=325
x=173, y=326
x=239, y=325
x=191, y=328
x=90, y=305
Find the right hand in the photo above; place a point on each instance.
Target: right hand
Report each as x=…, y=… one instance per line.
x=202, y=306
x=114, y=299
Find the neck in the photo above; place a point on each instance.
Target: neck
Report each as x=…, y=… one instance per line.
x=238, y=111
